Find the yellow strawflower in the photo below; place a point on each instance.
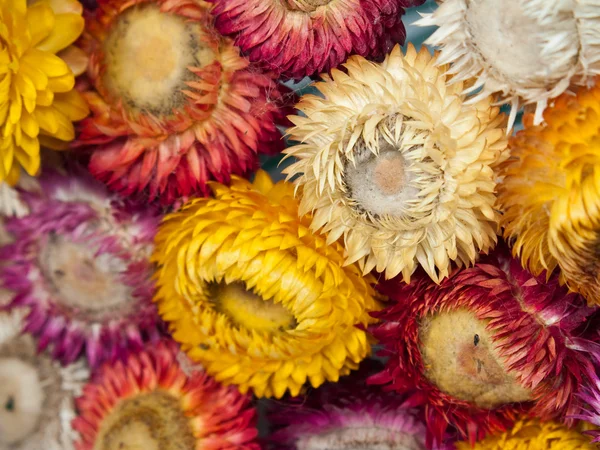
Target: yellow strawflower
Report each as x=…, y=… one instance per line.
x=550, y=195
x=254, y=296
x=37, y=76
x=531, y=434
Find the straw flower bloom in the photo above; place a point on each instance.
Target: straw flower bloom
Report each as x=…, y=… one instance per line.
x=37, y=75
x=254, y=296
x=298, y=38
x=149, y=402
x=486, y=343
x=392, y=159
x=36, y=393
x=79, y=263
x=527, y=50
x=173, y=103
x=551, y=192
x=531, y=434
x=347, y=414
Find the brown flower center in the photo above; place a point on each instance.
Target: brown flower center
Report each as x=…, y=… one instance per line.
x=360, y=438
x=460, y=359
x=307, y=6
x=83, y=281
x=513, y=41
x=152, y=421
x=147, y=55
x=248, y=310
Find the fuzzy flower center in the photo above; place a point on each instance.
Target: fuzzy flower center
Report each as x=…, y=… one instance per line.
x=516, y=40
x=147, y=55
x=360, y=438
x=248, y=310
x=460, y=359
x=377, y=183
x=21, y=400
x=81, y=279
x=307, y=6
x=151, y=421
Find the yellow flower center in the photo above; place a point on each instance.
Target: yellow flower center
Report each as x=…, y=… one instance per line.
x=151, y=421
x=248, y=310
x=513, y=40
x=21, y=400
x=305, y=5
x=81, y=279
x=460, y=359
x=147, y=55
x=360, y=438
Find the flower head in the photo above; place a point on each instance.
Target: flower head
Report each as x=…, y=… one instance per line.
x=530, y=434
x=551, y=192
x=346, y=415
x=37, y=76
x=254, y=296
x=36, y=393
x=298, y=38
x=526, y=50
x=80, y=263
x=482, y=341
x=392, y=159
x=148, y=402
x=173, y=104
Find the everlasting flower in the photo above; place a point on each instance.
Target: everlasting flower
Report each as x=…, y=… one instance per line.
x=298, y=38
x=551, y=192
x=36, y=393
x=79, y=263
x=254, y=296
x=392, y=159
x=148, y=402
x=483, y=340
x=37, y=76
x=347, y=415
x=531, y=434
x=526, y=50
x=174, y=105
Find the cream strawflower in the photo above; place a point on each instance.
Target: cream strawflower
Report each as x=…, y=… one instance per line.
x=393, y=159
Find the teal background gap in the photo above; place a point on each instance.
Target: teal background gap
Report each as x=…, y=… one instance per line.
x=414, y=34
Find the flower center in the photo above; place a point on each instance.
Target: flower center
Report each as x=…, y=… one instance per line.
x=460, y=359
x=152, y=421
x=248, y=310
x=305, y=5
x=82, y=279
x=360, y=438
x=514, y=39
x=21, y=400
x=147, y=55
x=378, y=183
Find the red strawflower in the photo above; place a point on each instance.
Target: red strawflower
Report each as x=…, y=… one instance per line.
x=485, y=344
x=299, y=38
x=173, y=103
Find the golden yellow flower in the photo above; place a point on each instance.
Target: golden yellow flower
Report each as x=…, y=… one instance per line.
x=37, y=76
x=550, y=195
x=531, y=434
x=254, y=296
x=394, y=159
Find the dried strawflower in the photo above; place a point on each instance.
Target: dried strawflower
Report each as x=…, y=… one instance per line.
x=254, y=296
x=483, y=341
x=148, y=402
x=393, y=159
x=173, y=104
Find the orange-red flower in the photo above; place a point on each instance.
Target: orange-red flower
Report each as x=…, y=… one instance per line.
x=173, y=103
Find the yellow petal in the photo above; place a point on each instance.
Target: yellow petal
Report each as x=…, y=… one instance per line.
x=50, y=64
x=54, y=123
x=40, y=22
x=29, y=125
x=72, y=105
x=67, y=29
x=28, y=155
x=37, y=77
x=62, y=84
x=75, y=58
